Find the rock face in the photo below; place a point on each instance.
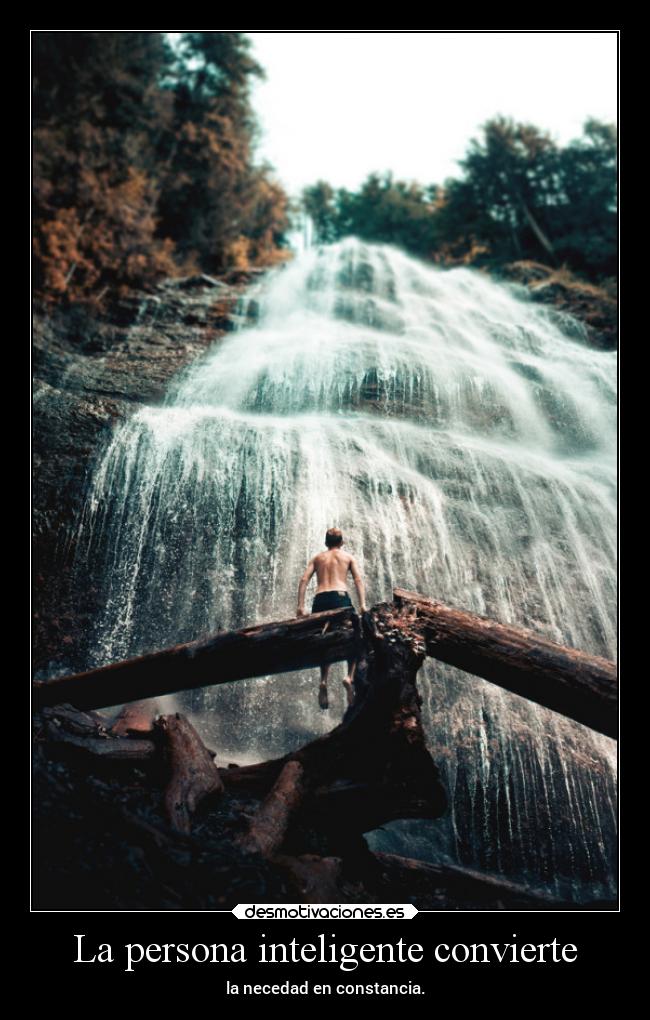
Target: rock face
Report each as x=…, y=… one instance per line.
x=87, y=375
x=596, y=307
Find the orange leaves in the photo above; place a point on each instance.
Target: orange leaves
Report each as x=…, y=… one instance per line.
x=110, y=244
x=57, y=246
x=135, y=179
x=237, y=252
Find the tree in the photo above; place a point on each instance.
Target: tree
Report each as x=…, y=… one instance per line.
x=519, y=196
x=508, y=172
x=394, y=212
x=214, y=199
x=586, y=227
x=318, y=202
x=522, y=196
x=95, y=105
x=144, y=162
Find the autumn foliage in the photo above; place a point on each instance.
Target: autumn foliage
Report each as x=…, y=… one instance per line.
x=143, y=162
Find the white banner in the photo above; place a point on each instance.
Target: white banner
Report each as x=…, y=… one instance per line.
x=324, y=911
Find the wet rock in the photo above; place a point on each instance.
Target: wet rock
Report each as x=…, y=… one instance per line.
x=88, y=374
x=197, y=280
x=596, y=307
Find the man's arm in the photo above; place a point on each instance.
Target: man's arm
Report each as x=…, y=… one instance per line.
x=304, y=581
x=361, y=591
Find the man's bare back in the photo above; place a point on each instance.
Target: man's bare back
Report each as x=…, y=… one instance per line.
x=332, y=568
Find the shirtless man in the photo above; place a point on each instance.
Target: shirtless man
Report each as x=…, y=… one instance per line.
x=331, y=569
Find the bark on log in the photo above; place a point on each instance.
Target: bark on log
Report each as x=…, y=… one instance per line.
x=566, y=680
x=269, y=825
x=374, y=767
x=85, y=734
x=194, y=774
x=83, y=724
x=389, y=878
x=581, y=686
x=261, y=650
x=113, y=749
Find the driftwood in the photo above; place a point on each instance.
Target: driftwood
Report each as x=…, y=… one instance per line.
x=85, y=734
x=580, y=686
x=148, y=865
x=232, y=655
x=445, y=886
x=583, y=687
x=110, y=749
x=194, y=774
x=312, y=806
x=374, y=767
x=269, y=825
x=82, y=724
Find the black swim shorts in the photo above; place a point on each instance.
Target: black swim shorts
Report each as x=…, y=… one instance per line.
x=330, y=600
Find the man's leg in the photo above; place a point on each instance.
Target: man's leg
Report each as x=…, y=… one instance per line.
x=347, y=683
x=323, y=700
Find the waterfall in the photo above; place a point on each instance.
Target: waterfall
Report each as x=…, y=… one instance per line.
x=463, y=439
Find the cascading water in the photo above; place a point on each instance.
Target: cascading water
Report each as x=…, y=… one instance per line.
x=463, y=438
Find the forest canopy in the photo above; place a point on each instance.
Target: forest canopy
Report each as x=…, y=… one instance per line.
x=519, y=196
x=144, y=167
x=143, y=162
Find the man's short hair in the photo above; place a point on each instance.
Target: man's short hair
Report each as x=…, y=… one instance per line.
x=333, y=537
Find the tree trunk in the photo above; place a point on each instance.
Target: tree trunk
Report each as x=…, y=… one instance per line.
x=268, y=828
x=580, y=686
x=305, y=838
x=374, y=767
x=261, y=650
x=537, y=230
x=194, y=774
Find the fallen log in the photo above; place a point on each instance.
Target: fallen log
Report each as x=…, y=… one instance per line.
x=97, y=853
x=83, y=724
x=305, y=839
x=111, y=749
x=268, y=827
x=581, y=686
x=389, y=878
x=193, y=772
x=261, y=650
x=374, y=767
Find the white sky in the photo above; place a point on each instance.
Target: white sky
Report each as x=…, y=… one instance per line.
x=337, y=105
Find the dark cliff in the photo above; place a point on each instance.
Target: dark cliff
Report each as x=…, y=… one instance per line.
x=89, y=373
